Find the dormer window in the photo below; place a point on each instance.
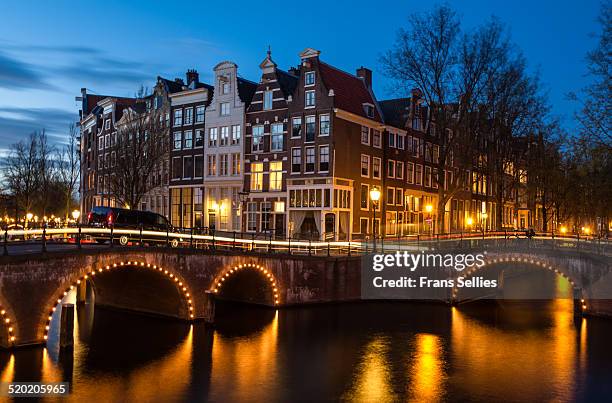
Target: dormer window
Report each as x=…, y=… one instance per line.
x=309, y=78
x=369, y=110
x=225, y=88
x=268, y=97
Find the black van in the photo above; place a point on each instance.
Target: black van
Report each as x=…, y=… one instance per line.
x=119, y=218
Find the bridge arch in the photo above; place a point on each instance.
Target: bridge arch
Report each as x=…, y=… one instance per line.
x=531, y=260
x=223, y=277
x=180, y=284
x=8, y=325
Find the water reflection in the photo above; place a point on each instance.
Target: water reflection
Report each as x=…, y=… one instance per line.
x=483, y=351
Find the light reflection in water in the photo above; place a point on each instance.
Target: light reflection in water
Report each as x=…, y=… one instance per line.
x=8, y=372
x=371, y=380
x=427, y=369
x=239, y=362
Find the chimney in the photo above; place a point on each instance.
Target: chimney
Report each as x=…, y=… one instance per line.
x=294, y=71
x=366, y=74
x=179, y=81
x=192, y=77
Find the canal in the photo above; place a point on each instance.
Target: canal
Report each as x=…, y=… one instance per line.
x=369, y=351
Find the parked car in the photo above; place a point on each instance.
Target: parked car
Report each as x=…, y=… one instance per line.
x=118, y=218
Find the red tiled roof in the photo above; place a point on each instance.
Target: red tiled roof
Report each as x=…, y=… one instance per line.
x=350, y=92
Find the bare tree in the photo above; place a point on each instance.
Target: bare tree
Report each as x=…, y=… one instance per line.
x=141, y=147
x=21, y=170
x=45, y=170
x=68, y=165
x=451, y=70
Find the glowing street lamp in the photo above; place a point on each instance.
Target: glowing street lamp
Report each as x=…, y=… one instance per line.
x=563, y=230
x=375, y=197
x=469, y=222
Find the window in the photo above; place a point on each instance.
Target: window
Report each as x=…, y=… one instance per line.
x=236, y=134
x=309, y=78
x=266, y=208
x=324, y=158
x=267, y=101
x=256, y=176
x=392, y=140
x=369, y=110
x=390, y=169
x=365, y=135
x=365, y=165
x=310, y=159
x=415, y=147
x=101, y=143
x=399, y=196
x=390, y=196
x=419, y=174
x=309, y=99
x=198, y=141
x=200, y=114
x=177, y=140
x=224, y=140
x=107, y=143
x=428, y=152
x=188, y=116
x=324, y=125
x=296, y=160
x=107, y=124
x=178, y=117
x=212, y=137
x=365, y=197
x=296, y=127
x=399, y=170
x=224, y=108
x=199, y=166
x=310, y=128
x=223, y=164
x=376, y=166
x=277, y=137
x=428, y=176
x=212, y=165
x=187, y=167
x=225, y=87
x=257, y=143
x=435, y=178
x=276, y=175
x=236, y=164
x=436, y=154
x=251, y=216
x=188, y=139
x=177, y=168
x=376, y=138
x=401, y=139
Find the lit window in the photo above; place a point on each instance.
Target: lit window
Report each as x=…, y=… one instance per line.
x=256, y=176
x=236, y=164
x=212, y=165
x=309, y=99
x=276, y=175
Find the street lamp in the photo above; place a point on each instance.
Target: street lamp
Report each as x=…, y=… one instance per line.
x=484, y=221
x=75, y=215
x=375, y=197
x=469, y=222
x=429, y=210
x=29, y=217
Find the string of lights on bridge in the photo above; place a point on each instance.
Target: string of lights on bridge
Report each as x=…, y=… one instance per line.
x=227, y=274
x=6, y=321
x=180, y=283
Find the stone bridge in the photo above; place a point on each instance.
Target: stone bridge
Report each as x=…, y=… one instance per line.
x=183, y=283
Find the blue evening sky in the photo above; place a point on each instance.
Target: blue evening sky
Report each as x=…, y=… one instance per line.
x=49, y=50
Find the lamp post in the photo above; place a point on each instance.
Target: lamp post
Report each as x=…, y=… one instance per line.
x=244, y=196
x=470, y=222
x=375, y=197
x=429, y=210
x=75, y=215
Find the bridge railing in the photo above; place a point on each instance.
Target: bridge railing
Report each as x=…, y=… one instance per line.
x=43, y=239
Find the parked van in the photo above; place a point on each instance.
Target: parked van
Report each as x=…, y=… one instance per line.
x=118, y=218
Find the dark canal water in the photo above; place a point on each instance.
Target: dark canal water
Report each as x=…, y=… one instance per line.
x=485, y=351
